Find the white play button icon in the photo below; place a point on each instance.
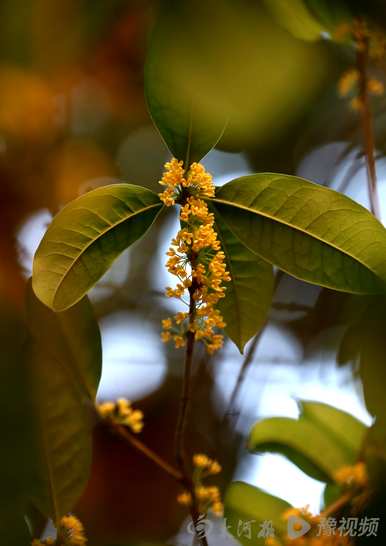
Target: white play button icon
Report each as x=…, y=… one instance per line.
x=297, y=527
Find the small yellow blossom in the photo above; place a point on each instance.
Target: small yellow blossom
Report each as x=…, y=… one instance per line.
x=347, y=82
x=352, y=476
x=375, y=87
x=71, y=532
x=208, y=496
x=200, y=460
x=167, y=324
x=122, y=412
x=356, y=104
x=203, y=462
x=184, y=498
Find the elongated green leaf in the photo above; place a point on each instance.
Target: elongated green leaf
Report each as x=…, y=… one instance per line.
x=294, y=16
x=86, y=237
x=65, y=357
x=310, y=447
x=189, y=129
x=245, y=504
x=348, y=430
x=249, y=293
x=309, y=231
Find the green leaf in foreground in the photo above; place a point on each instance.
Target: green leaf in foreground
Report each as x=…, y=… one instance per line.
x=348, y=430
x=86, y=237
x=65, y=360
x=176, y=105
x=249, y=293
x=311, y=232
x=308, y=442
x=244, y=503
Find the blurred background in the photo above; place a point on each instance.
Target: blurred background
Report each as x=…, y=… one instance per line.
x=72, y=118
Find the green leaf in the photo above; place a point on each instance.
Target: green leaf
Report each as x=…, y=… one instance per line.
x=86, y=237
x=316, y=451
x=65, y=359
x=332, y=13
x=294, y=16
x=244, y=503
x=249, y=293
x=189, y=129
x=331, y=493
x=311, y=232
x=348, y=430
x=72, y=337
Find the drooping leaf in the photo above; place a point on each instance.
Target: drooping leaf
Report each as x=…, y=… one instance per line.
x=65, y=360
x=313, y=449
x=348, y=430
x=244, y=503
x=309, y=231
x=331, y=13
x=189, y=129
x=17, y=428
x=86, y=237
x=249, y=293
x=294, y=16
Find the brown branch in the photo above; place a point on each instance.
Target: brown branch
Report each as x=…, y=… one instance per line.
x=336, y=506
x=126, y=435
x=367, y=122
x=186, y=389
x=231, y=415
x=185, y=400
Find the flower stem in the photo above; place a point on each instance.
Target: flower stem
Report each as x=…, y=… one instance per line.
x=367, y=123
x=126, y=435
x=185, y=400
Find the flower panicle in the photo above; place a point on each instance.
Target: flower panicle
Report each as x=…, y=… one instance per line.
x=208, y=497
x=364, y=37
x=70, y=532
x=195, y=258
x=354, y=476
x=122, y=413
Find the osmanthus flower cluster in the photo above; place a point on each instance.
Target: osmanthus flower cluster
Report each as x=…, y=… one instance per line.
x=122, y=413
x=314, y=536
x=351, y=478
x=208, y=497
x=363, y=36
x=70, y=533
x=195, y=257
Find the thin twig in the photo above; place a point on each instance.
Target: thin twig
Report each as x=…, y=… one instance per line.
x=186, y=391
x=336, y=506
x=180, y=450
x=231, y=415
x=126, y=435
x=367, y=123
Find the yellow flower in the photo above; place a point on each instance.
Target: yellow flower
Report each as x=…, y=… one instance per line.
x=184, y=498
x=195, y=257
x=122, y=412
x=214, y=468
x=352, y=476
x=71, y=531
x=167, y=324
x=347, y=82
x=375, y=87
x=200, y=460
